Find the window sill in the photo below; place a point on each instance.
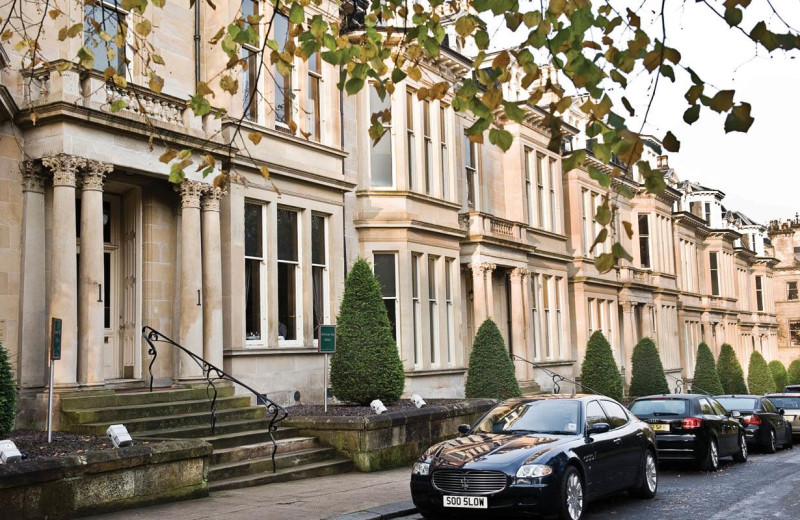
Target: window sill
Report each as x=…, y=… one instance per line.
x=269, y=351
x=434, y=372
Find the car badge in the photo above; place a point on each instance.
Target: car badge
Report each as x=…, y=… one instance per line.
x=464, y=483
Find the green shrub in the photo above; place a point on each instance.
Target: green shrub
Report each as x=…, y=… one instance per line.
x=759, y=378
x=647, y=372
x=599, y=370
x=779, y=375
x=730, y=371
x=8, y=396
x=366, y=364
x=793, y=374
x=706, y=379
x=491, y=371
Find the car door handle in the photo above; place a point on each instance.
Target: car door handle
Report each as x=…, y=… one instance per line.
x=617, y=441
x=639, y=435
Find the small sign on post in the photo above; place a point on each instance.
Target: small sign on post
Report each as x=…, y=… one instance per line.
x=327, y=345
x=55, y=355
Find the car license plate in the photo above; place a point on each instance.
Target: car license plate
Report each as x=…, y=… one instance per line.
x=660, y=427
x=468, y=502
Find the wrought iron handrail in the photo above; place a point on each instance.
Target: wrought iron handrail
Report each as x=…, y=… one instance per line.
x=556, y=377
x=275, y=413
x=680, y=383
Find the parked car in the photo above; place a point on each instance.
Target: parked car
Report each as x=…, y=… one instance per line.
x=547, y=456
x=692, y=427
x=790, y=403
x=762, y=421
x=792, y=389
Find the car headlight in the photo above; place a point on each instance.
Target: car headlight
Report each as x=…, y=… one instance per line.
x=421, y=468
x=534, y=471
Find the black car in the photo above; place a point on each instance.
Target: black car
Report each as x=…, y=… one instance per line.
x=763, y=422
x=546, y=456
x=692, y=427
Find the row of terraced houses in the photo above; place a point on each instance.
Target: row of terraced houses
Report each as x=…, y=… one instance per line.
x=92, y=231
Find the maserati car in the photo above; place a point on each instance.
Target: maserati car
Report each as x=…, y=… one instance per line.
x=537, y=456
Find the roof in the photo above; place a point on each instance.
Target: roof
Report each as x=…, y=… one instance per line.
x=671, y=396
x=691, y=187
x=741, y=219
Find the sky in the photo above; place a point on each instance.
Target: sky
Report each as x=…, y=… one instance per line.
x=756, y=170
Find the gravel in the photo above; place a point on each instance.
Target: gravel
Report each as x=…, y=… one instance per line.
x=343, y=410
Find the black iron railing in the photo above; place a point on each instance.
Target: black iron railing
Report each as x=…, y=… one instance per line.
x=555, y=376
x=213, y=374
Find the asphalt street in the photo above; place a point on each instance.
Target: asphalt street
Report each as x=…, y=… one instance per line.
x=767, y=486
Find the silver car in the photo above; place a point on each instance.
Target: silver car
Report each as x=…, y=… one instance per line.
x=790, y=404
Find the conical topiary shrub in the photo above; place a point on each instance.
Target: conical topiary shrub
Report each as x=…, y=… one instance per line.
x=706, y=380
x=8, y=396
x=759, y=379
x=491, y=371
x=599, y=371
x=730, y=371
x=793, y=374
x=647, y=372
x=366, y=364
x=779, y=375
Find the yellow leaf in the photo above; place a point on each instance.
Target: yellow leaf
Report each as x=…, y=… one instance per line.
x=105, y=36
x=255, y=137
x=203, y=89
x=119, y=80
x=108, y=73
x=143, y=27
x=7, y=35
x=264, y=172
x=168, y=155
x=414, y=73
x=501, y=61
x=55, y=13
x=156, y=82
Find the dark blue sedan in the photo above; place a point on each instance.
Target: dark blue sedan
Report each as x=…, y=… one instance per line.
x=544, y=455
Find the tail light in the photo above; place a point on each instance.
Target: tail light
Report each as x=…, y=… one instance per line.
x=752, y=420
x=691, y=423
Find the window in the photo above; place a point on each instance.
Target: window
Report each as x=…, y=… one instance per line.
x=546, y=309
x=448, y=299
x=594, y=414
x=759, y=294
x=255, y=316
x=768, y=406
x=416, y=311
x=718, y=408
x=540, y=161
x=283, y=82
x=381, y=152
x=445, y=157
x=644, y=241
x=586, y=204
x=386, y=273
x=707, y=212
x=559, y=322
x=319, y=271
x=616, y=415
x=111, y=18
x=411, y=141
x=712, y=261
x=428, y=145
x=289, y=286
x=535, y=315
x=471, y=167
x=252, y=57
x=553, y=202
x=313, y=122
x=794, y=332
x=433, y=309
x=705, y=407
x=791, y=291
x=529, y=187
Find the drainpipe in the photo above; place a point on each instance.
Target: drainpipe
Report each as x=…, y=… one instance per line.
x=196, y=44
x=344, y=201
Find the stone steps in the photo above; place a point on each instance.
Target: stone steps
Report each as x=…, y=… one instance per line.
x=319, y=469
x=262, y=465
x=262, y=449
x=103, y=399
x=144, y=424
x=245, y=438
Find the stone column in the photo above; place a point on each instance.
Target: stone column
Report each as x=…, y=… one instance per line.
x=64, y=270
x=488, y=268
x=190, y=332
x=32, y=319
x=478, y=295
x=518, y=313
x=212, y=276
x=90, y=276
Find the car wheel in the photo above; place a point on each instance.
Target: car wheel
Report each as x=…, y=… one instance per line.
x=789, y=438
x=711, y=461
x=741, y=455
x=648, y=485
x=771, y=446
x=573, y=496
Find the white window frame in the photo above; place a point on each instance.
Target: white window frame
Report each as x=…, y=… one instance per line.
x=416, y=310
x=396, y=296
x=326, y=316
x=789, y=291
x=317, y=77
x=444, y=150
x=115, y=6
x=433, y=309
x=298, y=281
x=293, y=77
x=760, y=304
x=370, y=91
x=254, y=50
x=472, y=172
x=263, y=299
x=450, y=312
x=427, y=149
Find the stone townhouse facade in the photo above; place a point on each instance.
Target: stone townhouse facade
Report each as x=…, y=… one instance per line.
x=785, y=238
x=93, y=232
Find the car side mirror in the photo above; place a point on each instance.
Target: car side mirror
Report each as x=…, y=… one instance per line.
x=781, y=411
x=596, y=428
x=464, y=429
x=736, y=414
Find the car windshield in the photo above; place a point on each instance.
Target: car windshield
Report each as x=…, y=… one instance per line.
x=659, y=407
x=789, y=403
x=740, y=404
x=556, y=417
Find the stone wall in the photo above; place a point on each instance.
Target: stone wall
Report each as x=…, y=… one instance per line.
x=105, y=481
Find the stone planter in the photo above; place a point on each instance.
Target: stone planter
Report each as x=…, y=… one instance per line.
x=105, y=481
x=394, y=439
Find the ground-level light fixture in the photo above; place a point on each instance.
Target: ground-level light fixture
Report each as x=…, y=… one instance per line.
x=119, y=436
x=9, y=452
x=418, y=401
x=377, y=406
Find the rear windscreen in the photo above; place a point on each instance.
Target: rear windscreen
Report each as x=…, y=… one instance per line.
x=740, y=404
x=786, y=402
x=659, y=407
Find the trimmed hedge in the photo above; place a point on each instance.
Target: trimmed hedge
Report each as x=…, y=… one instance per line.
x=647, y=372
x=730, y=371
x=759, y=378
x=599, y=371
x=366, y=364
x=8, y=395
x=793, y=373
x=491, y=371
x=779, y=375
x=706, y=379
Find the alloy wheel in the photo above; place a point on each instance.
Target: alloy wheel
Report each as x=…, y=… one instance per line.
x=743, y=446
x=714, y=454
x=651, y=473
x=574, y=496
x=771, y=440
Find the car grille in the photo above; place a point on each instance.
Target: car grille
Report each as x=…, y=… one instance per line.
x=472, y=482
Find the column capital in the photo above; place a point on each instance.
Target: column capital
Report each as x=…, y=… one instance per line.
x=210, y=198
x=190, y=191
x=627, y=307
x=518, y=274
x=488, y=266
x=33, y=178
x=64, y=168
x=95, y=174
